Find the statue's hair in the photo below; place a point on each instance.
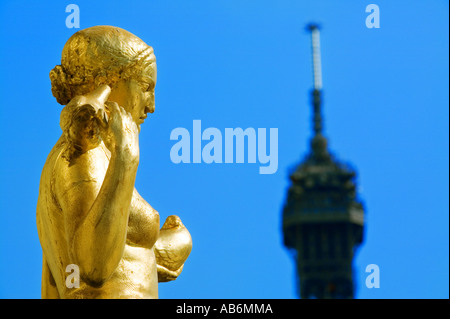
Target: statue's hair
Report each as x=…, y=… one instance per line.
x=99, y=55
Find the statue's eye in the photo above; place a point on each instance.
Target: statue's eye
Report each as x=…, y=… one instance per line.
x=144, y=86
x=147, y=87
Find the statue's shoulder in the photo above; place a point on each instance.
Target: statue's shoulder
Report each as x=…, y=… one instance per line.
x=92, y=162
x=88, y=167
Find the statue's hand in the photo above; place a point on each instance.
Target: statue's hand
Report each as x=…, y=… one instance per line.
x=165, y=275
x=119, y=133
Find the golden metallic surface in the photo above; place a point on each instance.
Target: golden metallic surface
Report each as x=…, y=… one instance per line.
x=170, y=257
x=89, y=213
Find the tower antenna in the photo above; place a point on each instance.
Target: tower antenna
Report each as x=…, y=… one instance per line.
x=317, y=77
x=317, y=65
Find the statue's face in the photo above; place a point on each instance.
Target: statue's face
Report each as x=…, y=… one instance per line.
x=137, y=96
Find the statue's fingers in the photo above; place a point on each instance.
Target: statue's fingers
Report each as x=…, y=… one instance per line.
x=102, y=118
x=112, y=106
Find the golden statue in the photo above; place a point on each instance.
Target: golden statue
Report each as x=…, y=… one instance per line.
x=89, y=213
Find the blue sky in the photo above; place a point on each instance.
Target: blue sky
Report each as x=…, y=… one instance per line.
x=247, y=64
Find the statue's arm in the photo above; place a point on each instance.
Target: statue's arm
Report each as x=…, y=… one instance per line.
x=96, y=203
x=48, y=286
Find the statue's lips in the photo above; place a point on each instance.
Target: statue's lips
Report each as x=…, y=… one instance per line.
x=142, y=118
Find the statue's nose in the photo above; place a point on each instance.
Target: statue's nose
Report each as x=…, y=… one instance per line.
x=150, y=108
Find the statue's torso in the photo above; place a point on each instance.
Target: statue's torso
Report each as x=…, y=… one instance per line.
x=136, y=273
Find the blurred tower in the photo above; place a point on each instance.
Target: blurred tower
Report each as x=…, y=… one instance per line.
x=323, y=219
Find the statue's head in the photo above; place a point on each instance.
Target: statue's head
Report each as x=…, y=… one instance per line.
x=107, y=55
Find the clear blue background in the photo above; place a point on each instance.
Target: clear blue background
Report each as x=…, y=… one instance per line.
x=247, y=64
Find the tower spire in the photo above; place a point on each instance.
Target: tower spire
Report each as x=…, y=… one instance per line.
x=318, y=142
x=315, y=50
x=317, y=77
x=323, y=218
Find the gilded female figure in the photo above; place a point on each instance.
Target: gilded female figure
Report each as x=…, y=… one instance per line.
x=89, y=213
